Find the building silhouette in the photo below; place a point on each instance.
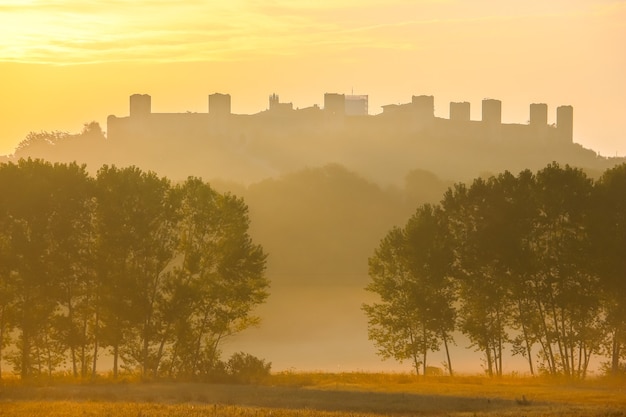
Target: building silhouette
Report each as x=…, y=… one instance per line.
x=460, y=112
x=356, y=105
x=343, y=114
x=219, y=105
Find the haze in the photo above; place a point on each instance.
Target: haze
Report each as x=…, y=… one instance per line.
x=319, y=206
x=64, y=63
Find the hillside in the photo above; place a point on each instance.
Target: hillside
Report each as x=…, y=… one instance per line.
x=319, y=204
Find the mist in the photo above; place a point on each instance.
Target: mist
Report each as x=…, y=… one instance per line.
x=322, y=189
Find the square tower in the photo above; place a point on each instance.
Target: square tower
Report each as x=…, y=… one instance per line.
x=538, y=114
x=356, y=105
x=219, y=104
x=424, y=105
x=460, y=111
x=335, y=104
x=140, y=105
x=565, y=123
x=492, y=111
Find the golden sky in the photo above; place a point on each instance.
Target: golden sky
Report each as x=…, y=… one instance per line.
x=67, y=62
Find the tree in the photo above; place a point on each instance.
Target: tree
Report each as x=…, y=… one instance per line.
x=247, y=368
x=480, y=232
x=159, y=274
x=565, y=291
x=42, y=214
x=220, y=278
x=71, y=268
x=137, y=239
x=409, y=274
x=608, y=237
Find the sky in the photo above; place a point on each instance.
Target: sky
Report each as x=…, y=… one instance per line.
x=64, y=63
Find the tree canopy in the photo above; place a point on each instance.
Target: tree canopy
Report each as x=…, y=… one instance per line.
x=534, y=262
x=157, y=274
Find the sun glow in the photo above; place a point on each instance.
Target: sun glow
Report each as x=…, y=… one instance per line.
x=69, y=32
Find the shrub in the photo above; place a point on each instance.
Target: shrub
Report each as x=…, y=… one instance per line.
x=246, y=368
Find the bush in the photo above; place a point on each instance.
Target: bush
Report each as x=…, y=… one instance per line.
x=245, y=368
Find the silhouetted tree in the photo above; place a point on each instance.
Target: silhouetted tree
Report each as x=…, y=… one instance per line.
x=566, y=294
x=608, y=236
x=42, y=218
x=479, y=230
x=409, y=272
x=72, y=272
x=220, y=278
x=137, y=233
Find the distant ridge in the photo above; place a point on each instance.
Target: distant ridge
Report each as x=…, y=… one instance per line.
x=279, y=140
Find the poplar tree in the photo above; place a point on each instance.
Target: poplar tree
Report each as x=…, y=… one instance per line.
x=409, y=273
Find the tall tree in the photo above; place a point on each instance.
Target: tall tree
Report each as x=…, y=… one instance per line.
x=136, y=234
x=608, y=236
x=409, y=272
x=220, y=278
x=565, y=293
x=40, y=254
x=71, y=269
x=480, y=232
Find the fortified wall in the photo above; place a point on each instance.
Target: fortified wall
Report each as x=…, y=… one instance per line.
x=340, y=114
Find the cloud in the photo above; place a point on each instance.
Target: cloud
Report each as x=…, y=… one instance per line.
x=68, y=32
x=71, y=31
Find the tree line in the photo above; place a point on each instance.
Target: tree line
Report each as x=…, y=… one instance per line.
x=123, y=263
x=534, y=263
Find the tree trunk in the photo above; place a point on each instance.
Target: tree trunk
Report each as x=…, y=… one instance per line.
x=489, y=361
x=500, y=347
x=70, y=318
x=416, y=365
x=116, y=354
x=1, y=340
x=425, y=352
x=25, y=371
x=95, y=347
x=544, y=318
x=144, y=350
x=560, y=333
x=445, y=344
x=615, y=352
x=528, y=350
x=547, y=346
x=526, y=337
x=83, y=351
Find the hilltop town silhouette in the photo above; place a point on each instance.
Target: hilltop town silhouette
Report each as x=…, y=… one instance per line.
x=341, y=113
x=385, y=147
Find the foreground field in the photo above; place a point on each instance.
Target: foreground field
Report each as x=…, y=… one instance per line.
x=307, y=395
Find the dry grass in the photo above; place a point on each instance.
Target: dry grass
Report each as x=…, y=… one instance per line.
x=322, y=394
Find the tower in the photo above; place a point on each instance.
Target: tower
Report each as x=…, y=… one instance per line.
x=219, y=105
x=335, y=104
x=492, y=112
x=274, y=101
x=538, y=114
x=424, y=106
x=565, y=123
x=460, y=111
x=356, y=105
x=140, y=105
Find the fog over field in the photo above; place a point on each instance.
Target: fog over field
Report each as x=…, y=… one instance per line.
x=319, y=203
x=333, y=120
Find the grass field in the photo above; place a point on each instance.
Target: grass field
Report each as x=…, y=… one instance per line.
x=321, y=394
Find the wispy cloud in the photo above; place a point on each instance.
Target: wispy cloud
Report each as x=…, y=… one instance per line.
x=79, y=31
x=71, y=31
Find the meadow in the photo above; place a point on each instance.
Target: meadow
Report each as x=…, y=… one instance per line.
x=319, y=394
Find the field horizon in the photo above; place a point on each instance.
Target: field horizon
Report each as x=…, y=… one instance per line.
x=307, y=394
